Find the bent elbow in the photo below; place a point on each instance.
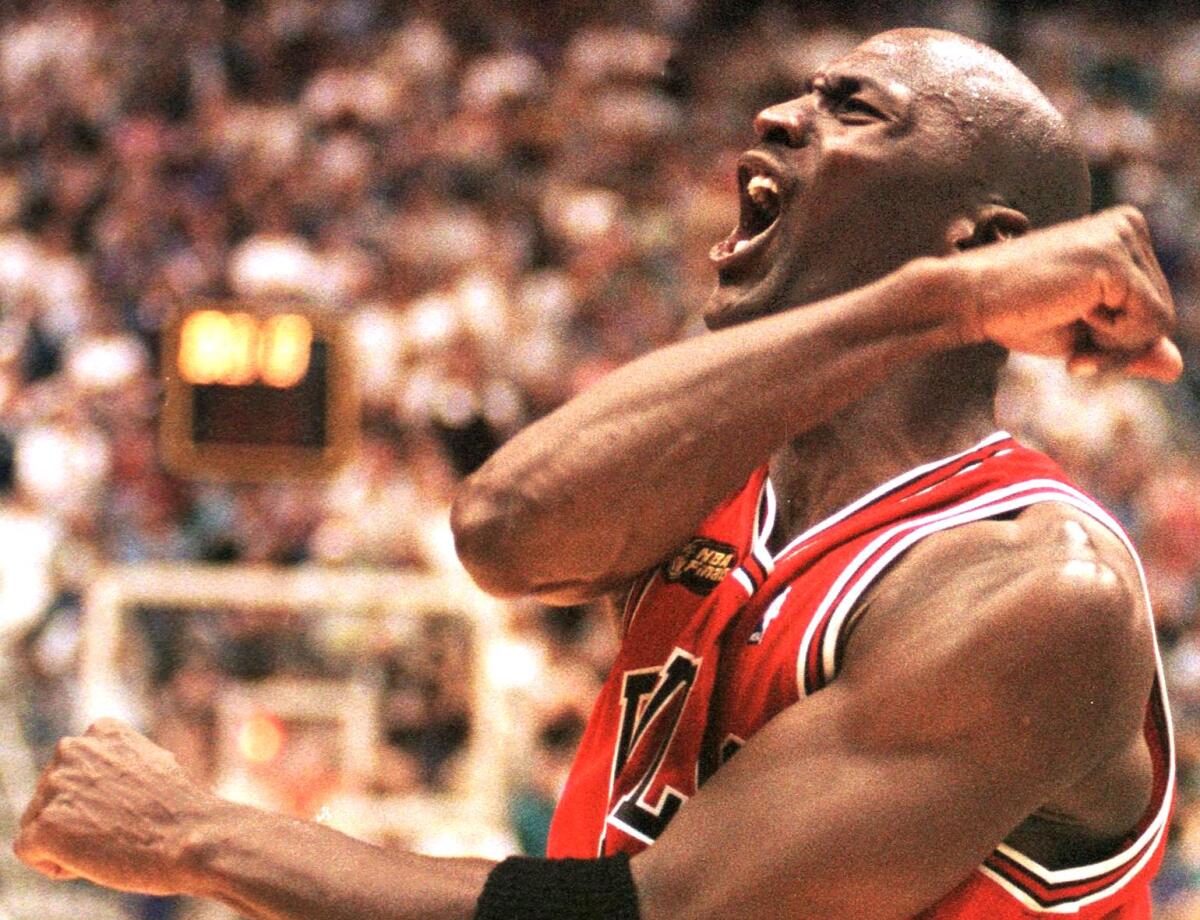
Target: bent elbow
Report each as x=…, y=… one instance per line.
x=515, y=545
x=484, y=522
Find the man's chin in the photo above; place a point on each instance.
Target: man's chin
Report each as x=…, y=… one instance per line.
x=731, y=304
x=734, y=302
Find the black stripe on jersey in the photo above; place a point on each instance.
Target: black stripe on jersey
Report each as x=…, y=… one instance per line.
x=755, y=570
x=1057, y=894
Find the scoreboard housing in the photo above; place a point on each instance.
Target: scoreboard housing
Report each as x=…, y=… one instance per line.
x=257, y=391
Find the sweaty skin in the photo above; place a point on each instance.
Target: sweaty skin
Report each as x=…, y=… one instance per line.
x=857, y=337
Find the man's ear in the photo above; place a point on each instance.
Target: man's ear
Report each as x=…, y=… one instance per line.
x=990, y=224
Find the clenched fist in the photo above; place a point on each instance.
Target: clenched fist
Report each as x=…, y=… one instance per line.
x=1089, y=291
x=113, y=808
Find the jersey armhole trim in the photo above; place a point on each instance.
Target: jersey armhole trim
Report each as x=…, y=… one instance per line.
x=1037, y=887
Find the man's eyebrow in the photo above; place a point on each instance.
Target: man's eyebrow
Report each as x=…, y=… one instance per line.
x=895, y=93
x=844, y=78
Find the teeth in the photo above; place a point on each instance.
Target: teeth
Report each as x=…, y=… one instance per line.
x=762, y=188
x=754, y=220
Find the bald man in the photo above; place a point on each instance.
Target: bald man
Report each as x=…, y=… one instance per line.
x=879, y=660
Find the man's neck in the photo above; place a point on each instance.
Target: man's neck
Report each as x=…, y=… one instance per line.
x=920, y=416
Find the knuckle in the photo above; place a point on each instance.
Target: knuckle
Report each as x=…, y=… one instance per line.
x=65, y=748
x=1130, y=216
x=1125, y=234
x=112, y=726
x=56, y=814
x=48, y=779
x=1126, y=224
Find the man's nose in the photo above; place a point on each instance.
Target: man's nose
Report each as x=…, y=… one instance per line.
x=786, y=123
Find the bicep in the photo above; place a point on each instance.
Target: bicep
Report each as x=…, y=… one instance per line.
x=877, y=795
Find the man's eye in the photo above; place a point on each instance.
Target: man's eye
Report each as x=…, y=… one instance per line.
x=855, y=106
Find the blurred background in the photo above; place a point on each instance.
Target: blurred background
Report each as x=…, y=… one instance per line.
x=482, y=207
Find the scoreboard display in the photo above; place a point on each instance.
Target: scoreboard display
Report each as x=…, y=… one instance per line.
x=257, y=391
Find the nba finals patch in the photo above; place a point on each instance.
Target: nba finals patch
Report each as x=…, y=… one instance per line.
x=700, y=565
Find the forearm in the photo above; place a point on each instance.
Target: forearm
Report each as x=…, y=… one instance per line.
x=614, y=480
x=268, y=867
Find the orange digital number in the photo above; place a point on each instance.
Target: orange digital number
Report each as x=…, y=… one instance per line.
x=237, y=349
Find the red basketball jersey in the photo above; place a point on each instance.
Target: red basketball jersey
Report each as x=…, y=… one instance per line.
x=724, y=636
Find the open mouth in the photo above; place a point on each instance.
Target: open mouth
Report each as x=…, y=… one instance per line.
x=760, y=197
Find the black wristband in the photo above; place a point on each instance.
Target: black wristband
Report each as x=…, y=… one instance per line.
x=522, y=888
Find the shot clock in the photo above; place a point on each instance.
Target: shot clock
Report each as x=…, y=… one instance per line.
x=256, y=391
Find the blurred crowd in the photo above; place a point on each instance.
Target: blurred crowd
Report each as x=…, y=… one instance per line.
x=503, y=200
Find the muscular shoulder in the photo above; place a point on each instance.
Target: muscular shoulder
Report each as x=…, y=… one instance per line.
x=1041, y=614
x=1050, y=553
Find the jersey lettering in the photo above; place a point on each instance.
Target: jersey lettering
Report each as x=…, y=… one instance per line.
x=651, y=700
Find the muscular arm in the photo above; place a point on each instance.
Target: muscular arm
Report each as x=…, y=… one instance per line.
x=268, y=867
x=617, y=478
x=956, y=716
x=613, y=481
x=959, y=712
x=118, y=810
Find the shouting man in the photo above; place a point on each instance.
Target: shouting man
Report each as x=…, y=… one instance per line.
x=878, y=660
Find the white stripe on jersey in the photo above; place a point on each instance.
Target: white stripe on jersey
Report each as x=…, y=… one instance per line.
x=763, y=525
x=1071, y=907
x=989, y=505
x=993, y=504
x=884, y=489
x=950, y=516
x=772, y=612
x=744, y=580
x=762, y=529
x=637, y=605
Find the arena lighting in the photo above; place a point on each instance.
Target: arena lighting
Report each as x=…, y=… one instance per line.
x=261, y=737
x=257, y=391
